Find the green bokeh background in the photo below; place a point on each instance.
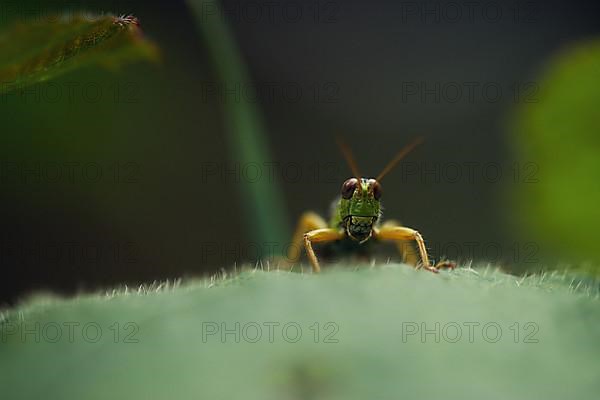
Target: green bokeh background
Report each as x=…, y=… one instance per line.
x=560, y=134
x=153, y=124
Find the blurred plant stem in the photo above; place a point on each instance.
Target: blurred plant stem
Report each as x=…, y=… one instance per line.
x=263, y=202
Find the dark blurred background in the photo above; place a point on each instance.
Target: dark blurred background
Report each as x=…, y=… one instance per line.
x=125, y=176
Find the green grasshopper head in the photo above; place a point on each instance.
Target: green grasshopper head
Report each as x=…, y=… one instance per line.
x=360, y=207
x=361, y=197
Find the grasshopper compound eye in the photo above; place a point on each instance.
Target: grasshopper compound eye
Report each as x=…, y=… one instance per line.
x=349, y=187
x=377, y=191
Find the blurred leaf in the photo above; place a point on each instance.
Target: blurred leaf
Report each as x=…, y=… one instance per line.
x=36, y=51
x=396, y=332
x=560, y=135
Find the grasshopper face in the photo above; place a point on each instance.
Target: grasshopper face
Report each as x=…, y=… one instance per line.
x=360, y=207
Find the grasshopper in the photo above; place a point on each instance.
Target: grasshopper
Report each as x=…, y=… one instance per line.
x=355, y=218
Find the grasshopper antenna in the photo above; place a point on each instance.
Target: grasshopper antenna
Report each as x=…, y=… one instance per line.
x=347, y=152
x=401, y=154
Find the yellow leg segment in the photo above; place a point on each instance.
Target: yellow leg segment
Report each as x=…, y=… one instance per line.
x=309, y=221
x=402, y=234
x=319, y=236
x=405, y=247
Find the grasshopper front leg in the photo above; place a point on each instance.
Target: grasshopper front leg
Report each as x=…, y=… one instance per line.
x=311, y=228
x=319, y=236
x=400, y=234
x=309, y=221
x=404, y=247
